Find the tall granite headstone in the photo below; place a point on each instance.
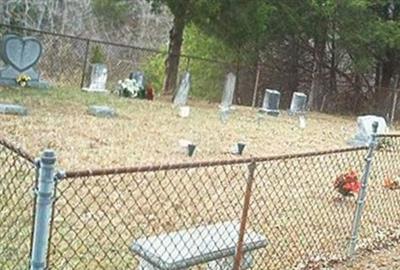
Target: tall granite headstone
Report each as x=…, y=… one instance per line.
x=271, y=102
x=227, y=97
x=182, y=94
x=229, y=90
x=20, y=55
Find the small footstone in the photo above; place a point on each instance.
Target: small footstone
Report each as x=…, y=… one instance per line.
x=13, y=109
x=102, y=111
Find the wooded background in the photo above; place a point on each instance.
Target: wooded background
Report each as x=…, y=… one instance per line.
x=345, y=55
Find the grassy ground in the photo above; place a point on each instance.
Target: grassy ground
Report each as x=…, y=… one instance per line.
x=148, y=132
x=97, y=218
x=386, y=259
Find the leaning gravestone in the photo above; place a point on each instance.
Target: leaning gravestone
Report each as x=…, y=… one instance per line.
x=20, y=55
x=298, y=104
x=181, y=96
x=102, y=111
x=13, y=109
x=98, y=78
x=271, y=102
x=364, y=129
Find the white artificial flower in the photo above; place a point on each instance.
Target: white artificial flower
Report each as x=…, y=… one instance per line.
x=129, y=85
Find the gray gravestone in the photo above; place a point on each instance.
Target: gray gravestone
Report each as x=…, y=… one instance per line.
x=298, y=104
x=20, y=55
x=182, y=94
x=138, y=76
x=271, y=102
x=229, y=90
x=212, y=244
x=102, y=111
x=13, y=109
x=98, y=78
x=364, y=129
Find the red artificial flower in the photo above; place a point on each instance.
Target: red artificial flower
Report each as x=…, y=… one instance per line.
x=353, y=186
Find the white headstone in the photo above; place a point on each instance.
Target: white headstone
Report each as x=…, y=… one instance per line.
x=298, y=104
x=271, y=102
x=182, y=94
x=364, y=129
x=98, y=78
x=229, y=90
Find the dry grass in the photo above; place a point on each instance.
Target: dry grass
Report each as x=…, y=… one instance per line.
x=148, y=132
x=97, y=218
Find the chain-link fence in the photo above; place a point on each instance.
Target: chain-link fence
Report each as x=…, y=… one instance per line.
x=278, y=212
x=17, y=181
x=66, y=62
x=381, y=221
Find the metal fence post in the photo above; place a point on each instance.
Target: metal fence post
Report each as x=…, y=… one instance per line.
x=363, y=192
x=243, y=221
x=255, y=90
x=85, y=62
x=44, y=203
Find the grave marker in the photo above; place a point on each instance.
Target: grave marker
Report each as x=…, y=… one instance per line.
x=13, y=109
x=229, y=90
x=271, y=102
x=364, y=129
x=138, y=76
x=182, y=94
x=20, y=55
x=98, y=78
x=298, y=104
x=102, y=111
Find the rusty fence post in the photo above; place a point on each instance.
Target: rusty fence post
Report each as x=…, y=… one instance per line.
x=255, y=90
x=243, y=221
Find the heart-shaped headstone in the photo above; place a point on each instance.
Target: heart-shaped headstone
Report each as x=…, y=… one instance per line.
x=21, y=53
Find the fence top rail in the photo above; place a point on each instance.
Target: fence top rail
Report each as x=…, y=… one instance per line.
x=199, y=164
x=217, y=61
x=389, y=135
x=18, y=150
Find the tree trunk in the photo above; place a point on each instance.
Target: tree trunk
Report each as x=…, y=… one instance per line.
x=332, y=73
x=316, y=91
x=383, y=93
x=174, y=50
x=293, y=71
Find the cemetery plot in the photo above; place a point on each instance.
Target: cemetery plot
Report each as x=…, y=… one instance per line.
x=99, y=217
x=147, y=132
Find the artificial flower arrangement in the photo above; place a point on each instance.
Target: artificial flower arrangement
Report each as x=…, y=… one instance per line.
x=131, y=88
x=22, y=80
x=128, y=88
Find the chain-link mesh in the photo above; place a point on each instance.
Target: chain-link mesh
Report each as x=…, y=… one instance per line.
x=381, y=218
x=295, y=205
x=17, y=180
x=67, y=61
x=185, y=215
x=97, y=218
